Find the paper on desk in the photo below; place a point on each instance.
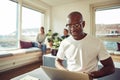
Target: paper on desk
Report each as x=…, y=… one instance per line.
x=56, y=74
x=28, y=77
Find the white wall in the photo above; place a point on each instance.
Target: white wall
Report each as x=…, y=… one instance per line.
x=59, y=13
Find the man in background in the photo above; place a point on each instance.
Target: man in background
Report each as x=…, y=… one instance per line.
x=65, y=34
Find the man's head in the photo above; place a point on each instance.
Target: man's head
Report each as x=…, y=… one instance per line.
x=42, y=29
x=65, y=32
x=76, y=25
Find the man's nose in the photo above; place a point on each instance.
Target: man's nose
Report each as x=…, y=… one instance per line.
x=73, y=28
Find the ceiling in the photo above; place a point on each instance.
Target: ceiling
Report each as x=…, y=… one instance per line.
x=57, y=2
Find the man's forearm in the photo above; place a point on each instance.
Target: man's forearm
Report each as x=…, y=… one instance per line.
x=102, y=72
x=59, y=65
x=108, y=68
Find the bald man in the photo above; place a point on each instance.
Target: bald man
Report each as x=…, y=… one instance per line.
x=82, y=51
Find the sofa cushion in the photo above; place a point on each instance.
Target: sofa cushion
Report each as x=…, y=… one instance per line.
x=25, y=44
x=5, y=54
x=33, y=49
x=118, y=44
x=24, y=51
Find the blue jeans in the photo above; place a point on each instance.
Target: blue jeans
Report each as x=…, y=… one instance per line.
x=43, y=48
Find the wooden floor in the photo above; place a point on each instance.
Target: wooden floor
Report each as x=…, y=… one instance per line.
x=18, y=71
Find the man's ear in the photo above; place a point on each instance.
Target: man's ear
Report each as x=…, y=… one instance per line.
x=83, y=24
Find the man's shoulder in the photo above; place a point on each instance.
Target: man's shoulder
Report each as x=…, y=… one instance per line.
x=68, y=39
x=93, y=39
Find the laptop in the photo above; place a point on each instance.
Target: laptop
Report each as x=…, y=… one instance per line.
x=56, y=74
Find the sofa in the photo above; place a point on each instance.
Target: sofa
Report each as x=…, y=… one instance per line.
x=19, y=57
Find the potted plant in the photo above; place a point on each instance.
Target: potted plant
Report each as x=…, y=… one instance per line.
x=54, y=40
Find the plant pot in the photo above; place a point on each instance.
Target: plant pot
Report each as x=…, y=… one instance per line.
x=54, y=52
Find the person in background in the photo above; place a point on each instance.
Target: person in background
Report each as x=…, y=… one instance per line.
x=40, y=39
x=83, y=51
x=65, y=34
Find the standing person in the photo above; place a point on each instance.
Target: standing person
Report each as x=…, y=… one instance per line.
x=65, y=34
x=82, y=51
x=41, y=39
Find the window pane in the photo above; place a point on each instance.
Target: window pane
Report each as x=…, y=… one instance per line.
x=111, y=46
x=108, y=22
x=31, y=22
x=8, y=31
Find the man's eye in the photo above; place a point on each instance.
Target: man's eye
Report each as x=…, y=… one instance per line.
x=76, y=25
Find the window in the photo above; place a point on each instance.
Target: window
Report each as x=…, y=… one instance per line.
x=8, y=28
x=105, y=20
x=31, y=23
x=107, y=23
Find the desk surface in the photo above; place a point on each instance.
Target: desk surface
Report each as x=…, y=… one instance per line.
x=37, y=73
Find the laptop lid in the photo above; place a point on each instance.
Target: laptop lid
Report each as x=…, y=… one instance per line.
x=56, y=74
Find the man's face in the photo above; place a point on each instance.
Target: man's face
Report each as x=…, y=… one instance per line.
x=65, y=33
x=75, y=26
x=41, y=30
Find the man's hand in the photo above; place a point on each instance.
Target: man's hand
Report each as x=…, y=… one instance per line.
x=40, y=45
x=59, y=65
x=90, y=75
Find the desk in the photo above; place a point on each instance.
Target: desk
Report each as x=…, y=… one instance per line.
x=37, y=73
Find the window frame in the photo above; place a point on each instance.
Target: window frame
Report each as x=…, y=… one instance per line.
x=101, y=5
x=31, y=37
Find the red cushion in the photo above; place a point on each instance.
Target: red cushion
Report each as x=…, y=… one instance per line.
x=25, y=44
x=118, y=44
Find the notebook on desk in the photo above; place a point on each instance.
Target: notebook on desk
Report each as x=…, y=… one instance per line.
x=56, y=74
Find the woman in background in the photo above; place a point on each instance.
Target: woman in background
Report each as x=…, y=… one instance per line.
x=41, y=39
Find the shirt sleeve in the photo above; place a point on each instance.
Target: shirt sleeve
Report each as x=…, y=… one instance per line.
x=102, y=54
x=60, y=53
